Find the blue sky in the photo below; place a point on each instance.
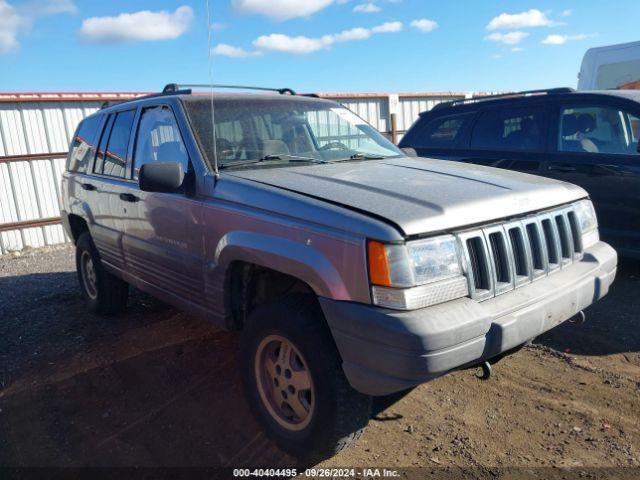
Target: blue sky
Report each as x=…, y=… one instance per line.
x=308, y=45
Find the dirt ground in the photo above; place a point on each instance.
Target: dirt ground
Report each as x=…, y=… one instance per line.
x=155, y=387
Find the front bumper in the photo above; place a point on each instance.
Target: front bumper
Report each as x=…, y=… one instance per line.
x=385, y=351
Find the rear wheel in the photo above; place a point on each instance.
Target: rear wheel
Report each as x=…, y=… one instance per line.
x=103, y=292
x=293, y=379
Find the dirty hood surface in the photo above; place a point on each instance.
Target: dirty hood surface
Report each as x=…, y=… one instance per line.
x=421, y=195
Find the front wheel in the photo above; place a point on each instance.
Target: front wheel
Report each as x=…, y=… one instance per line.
x=294, y=382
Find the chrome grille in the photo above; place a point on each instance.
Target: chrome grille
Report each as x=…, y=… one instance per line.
x=502, y=257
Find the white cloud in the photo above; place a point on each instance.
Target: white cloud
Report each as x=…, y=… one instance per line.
x=424, y=25
x=139, y=26
x=349, y=35
x=562, y=39
x=11, y=23
x=280, y=9
x=388, y=27
x=517, y=49
x=278, y=42
x=17, y=20
x=509, y=38
x=368, y=7
x=302, y=45
x=566, y=13
x=531, y=18
x=230, y=51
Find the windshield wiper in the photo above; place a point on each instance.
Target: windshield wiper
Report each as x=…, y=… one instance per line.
x=360, y=156
x=291, y=158
x=267, y=158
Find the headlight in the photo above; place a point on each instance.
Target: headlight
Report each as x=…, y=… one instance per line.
x=416, y=274
x=587, y=222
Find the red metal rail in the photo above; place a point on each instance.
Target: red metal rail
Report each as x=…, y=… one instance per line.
x=41, y=222
x=32, y=156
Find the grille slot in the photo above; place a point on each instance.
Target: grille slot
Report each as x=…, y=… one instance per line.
x=566, y=243
x=502, y=257
x=551, y=243
x=519, y=252
x=479, y=264
x=575, y=232
x=537, y=248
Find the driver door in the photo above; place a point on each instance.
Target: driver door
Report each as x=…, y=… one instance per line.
x=163, y=243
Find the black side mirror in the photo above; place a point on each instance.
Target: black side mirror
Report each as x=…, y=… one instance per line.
x=161, y=177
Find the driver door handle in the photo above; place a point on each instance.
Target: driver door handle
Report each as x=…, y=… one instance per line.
x=129, y=197
x=88, y=186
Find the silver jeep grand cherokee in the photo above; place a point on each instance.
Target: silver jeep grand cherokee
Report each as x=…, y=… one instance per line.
x=352, y=270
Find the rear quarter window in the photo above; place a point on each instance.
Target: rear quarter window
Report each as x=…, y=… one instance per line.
x=441, y=132
x=82, y=146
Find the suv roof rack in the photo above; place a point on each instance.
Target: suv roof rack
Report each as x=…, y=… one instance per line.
x=180, y=89
x=174, y=88
x=524, y=93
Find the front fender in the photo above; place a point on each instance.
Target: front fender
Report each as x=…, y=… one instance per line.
x=299, y=260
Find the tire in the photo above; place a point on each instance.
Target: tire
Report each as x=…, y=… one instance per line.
x=103, y=292
x=336, y=414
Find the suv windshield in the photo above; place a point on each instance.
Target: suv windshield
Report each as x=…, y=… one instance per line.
x=283, y=130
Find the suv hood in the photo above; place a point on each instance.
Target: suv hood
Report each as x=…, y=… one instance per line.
x=421, y=195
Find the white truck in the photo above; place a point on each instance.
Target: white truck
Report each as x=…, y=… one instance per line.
x=610, y=67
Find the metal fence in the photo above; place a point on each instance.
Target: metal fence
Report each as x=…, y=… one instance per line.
x=36, y=129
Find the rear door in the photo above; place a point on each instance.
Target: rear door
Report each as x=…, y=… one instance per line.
x=164, y=241
x=596, y=147
x=107, y=183
x=512, y=137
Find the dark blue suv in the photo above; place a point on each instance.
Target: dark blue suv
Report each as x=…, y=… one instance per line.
x=590, y=139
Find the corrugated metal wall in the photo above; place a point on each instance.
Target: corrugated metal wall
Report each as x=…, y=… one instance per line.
x=29, y=190
x=31, y=124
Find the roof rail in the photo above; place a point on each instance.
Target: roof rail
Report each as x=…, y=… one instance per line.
x=524, y=93
x=174, y=88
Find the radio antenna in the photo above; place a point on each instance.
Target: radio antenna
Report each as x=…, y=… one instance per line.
x=213, y=115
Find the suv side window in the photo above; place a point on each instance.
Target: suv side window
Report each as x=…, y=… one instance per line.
x=513, y=129
x=83, y=145
x=443, y=131
x=159, y=139
x=594, y=129
x=115, y=158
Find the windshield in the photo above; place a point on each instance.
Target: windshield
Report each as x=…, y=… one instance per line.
x=282, y=130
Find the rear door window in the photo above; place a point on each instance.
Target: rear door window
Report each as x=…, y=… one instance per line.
x=444, y=132
x=511, y=129
x=598, y=130
x=83, y=145
x=112, y=155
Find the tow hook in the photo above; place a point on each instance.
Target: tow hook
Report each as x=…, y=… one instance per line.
x=578, y=319
x=483, y=371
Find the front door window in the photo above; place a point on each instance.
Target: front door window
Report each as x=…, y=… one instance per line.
x=598, y=130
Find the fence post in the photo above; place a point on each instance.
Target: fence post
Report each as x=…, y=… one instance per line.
x=394, y=128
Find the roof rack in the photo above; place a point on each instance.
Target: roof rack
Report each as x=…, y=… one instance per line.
x=524, y=93
x=179, y=89
x=174, y=88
